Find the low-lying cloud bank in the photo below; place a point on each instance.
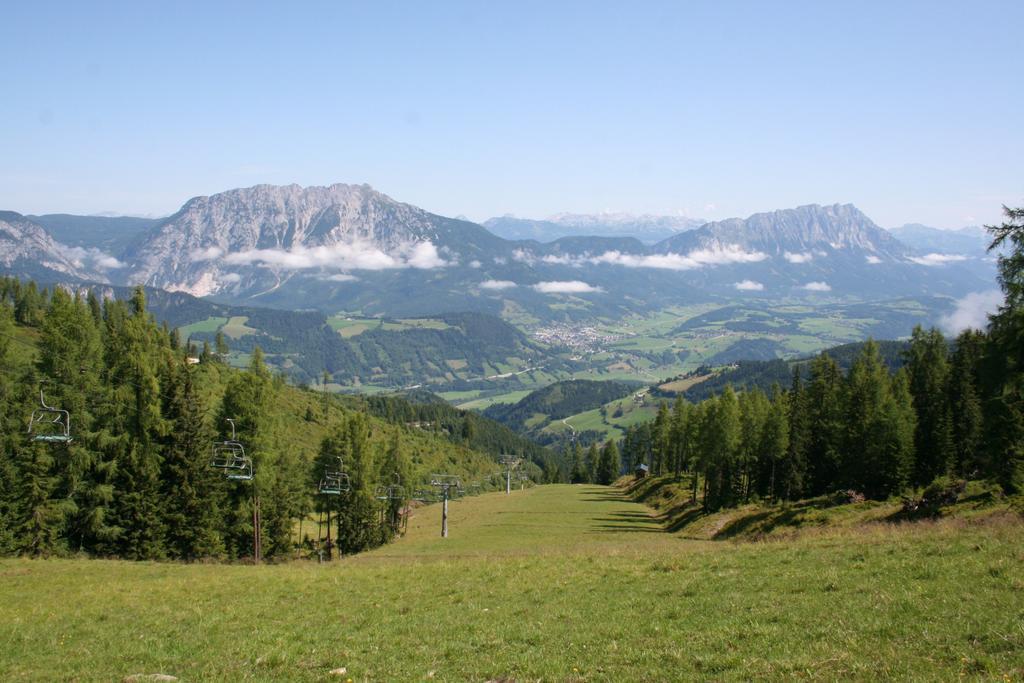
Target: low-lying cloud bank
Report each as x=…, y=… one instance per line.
x=497, y=285
x=936, y=259
x=972, y=311
x=565, y=287
x=341, y=256
x=93, y=258
x=818, y=287
x=698, y=258
x=549, y=287
x=749, y=286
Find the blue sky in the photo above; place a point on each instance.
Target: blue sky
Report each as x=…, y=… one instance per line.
x=910, y=110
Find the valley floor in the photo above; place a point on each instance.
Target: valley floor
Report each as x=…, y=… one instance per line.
x=553, y=583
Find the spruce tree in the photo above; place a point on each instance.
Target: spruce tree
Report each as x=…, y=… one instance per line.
x=1003, y=363
x=774, y=443
x=357, y=528
x=825, y=425
x=964, y=395
x=723, y=475
x=754, y=409
x=791, y=477
x=608, y=464
x=192, y=492
x=578, y=471
x=661, y=436
x=928, y=372
x=590, y=463
x=395, y=470
x=137, y=427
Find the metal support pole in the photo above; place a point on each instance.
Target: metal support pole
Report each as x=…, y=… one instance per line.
x=444, y=515
x=508, y=482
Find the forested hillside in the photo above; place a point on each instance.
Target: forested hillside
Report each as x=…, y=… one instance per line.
x=868, y=420
x=451, y=349
x=559, y=400
x=120, y=464
x=762, y=374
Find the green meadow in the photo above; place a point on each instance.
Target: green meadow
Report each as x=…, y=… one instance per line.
x=567, y=583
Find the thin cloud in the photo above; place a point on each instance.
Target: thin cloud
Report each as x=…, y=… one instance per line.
x=93, y=258
x=817, y=287
x=800, y=257
x=565, y=287
x=749, y=286
x=342, y=256
x=972, y=311
x=873, y=260
x=937, y=259
x=230, y=278
x=497, y=284
x=207, y=254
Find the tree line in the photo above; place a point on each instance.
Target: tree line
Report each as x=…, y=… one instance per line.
x=135, y=480
x=949, y=411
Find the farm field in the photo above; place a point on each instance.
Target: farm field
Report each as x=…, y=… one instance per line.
x=554, y=583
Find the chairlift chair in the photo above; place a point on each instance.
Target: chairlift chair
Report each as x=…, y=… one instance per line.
x=58, y=421
x=230, y=454
x=240, y=472
x=335, y=481
x=334, y=484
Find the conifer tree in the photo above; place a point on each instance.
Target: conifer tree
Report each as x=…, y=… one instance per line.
x=791, y=477
x=608, y=463
x=661, y=440
x=879, y=449
x=774, y=443
x=722, y=438
x=825, y=415
x=677, y=436
x=964, y=395
x=1003, y=364
x=395, y=469
x=192, y=492
x=356, y=522
x=578, y=471
x=928, y=372
x=590, y=463
x=754, y=409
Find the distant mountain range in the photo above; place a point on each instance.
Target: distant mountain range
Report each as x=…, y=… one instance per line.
x=970, y=241
x=648, y=229
x=351, y=248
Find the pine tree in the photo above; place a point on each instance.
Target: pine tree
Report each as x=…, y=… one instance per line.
x=661, y=436
x=825, y=421
x=723, y=476
x=677, y=435
x=608, y=464
x=356, y=521
x=964, y=395
x=395, y=470
x=137, y=427
x=754, y=409
x=578, y=471
x=192, y=492
x=928, y=371
x=791, y=476
x=774, y=443
x=879, y=452
x=590, y=463
x=70, y=359
x=1003, y=363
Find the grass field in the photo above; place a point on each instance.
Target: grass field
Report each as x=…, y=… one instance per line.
x=571, y=583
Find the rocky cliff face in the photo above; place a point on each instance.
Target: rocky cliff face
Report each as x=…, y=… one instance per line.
x=267, y=232
x=27, y=249
x=811, y=229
